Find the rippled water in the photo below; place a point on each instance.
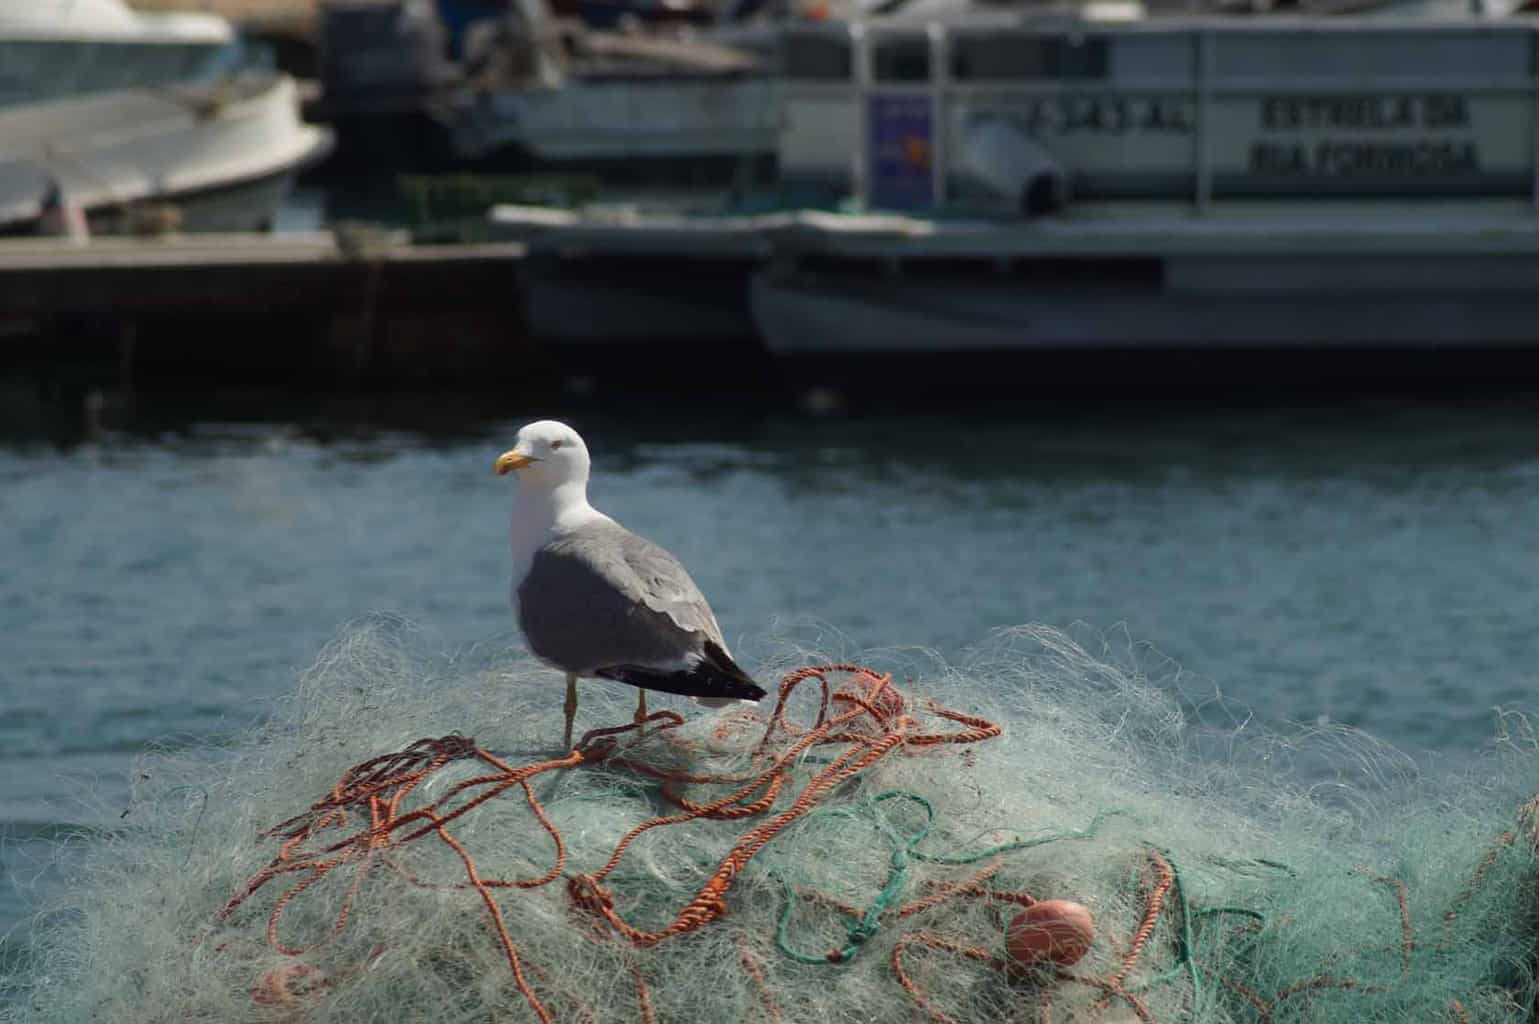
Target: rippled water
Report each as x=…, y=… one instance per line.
x=1374, y=564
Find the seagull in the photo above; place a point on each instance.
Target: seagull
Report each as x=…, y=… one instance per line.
x=597, y=601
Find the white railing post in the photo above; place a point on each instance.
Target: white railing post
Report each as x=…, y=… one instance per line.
x=940, y=111
x=860, y=69
x=1533, y=117
x=1204, y=165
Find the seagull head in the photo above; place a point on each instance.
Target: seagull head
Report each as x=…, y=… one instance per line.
x=546, y=455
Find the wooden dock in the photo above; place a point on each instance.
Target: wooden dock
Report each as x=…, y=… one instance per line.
x=293, y=310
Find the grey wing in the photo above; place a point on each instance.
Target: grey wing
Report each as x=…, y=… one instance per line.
x=667, y=587
x=585, y=605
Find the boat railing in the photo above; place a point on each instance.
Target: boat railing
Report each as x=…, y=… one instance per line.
x=1195, y=110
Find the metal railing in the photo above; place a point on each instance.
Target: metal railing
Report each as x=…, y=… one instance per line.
x=1212, y=97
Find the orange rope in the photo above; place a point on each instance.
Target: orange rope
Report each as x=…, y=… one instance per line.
x=1164, y=879
x=1110, y=988
x=508, y=949
x=1407, y=936
x=643, y=995
x=362, y=820
x=935, y=941
x=978, y=954
x=581, y=1010
x=1263, y=1007
x=1323, y=981
x=971, y=887
x=755, y=971
x=1314, y=984
x=1468, y=892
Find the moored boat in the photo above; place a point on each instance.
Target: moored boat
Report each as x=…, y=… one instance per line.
x=55, y=48
x=222, y=154
x=1129, y=276
x=1175, y=184
x=601, y=280
x=1030, y=185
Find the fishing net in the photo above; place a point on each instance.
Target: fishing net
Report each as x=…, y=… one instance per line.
x=400, y=842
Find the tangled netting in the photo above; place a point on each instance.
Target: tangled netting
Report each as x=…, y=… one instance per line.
x=852, y=850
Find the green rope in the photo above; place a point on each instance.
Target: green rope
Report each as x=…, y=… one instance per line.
x=1187, y=942
x=1239, y=911
x=904, y=853
x=867, y=924
x=1088, y=832
x=1248, y=863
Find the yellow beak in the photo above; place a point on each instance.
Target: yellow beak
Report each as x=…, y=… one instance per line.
x=507, y=462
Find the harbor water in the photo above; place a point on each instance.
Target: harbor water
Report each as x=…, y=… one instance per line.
x=1367, y=564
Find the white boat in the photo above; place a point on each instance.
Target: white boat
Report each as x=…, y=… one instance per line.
x=1177, y=184
x=106, y=110
x=562, y=93
x=618, y=118
x=1032, y=186
x=54, y=48
x=223, y=154
x=524, y=83
x=1344, y=275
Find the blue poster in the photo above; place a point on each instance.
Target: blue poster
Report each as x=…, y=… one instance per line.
x=899, y=152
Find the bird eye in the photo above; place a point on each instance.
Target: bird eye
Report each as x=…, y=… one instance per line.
x=556, y=444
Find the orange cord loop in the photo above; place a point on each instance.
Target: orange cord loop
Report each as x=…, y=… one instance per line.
x=362, y=819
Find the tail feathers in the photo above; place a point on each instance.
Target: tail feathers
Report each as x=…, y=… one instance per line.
x=716, y=678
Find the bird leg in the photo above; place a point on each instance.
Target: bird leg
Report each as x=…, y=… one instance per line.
x=641, y=711
x=570, y=708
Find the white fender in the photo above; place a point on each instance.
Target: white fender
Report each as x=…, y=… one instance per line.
x=1013, y=167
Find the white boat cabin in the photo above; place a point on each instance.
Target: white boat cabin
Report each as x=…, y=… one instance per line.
x=50, y=49
x=1025, y=114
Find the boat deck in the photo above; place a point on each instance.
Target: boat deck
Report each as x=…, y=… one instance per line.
x=1092, y=229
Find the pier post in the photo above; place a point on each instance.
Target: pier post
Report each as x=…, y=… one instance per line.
x=860, y=65
x=1203, y=72
x=1533, y=117
x=128, y=341
x=940, y=123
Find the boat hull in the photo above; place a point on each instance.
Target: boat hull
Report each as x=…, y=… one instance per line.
x=237, y=207
x=223, y=154
x=684, y=117
x=828, y=313
x=577, y=303
x=1263, y=277
x=627, y=281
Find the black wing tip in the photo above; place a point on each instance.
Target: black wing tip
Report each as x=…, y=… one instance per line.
x=704, y=680
x=719, y=659
x=748, y=691
x=717, y=675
